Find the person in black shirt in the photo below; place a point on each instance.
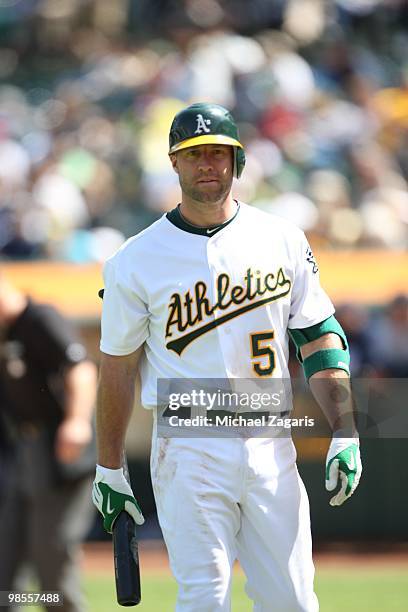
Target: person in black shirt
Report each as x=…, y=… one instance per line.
x=47, y=395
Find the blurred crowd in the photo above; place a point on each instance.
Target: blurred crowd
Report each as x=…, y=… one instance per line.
x=88, y=90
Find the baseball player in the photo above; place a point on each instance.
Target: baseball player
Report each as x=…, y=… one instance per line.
x=213, y=290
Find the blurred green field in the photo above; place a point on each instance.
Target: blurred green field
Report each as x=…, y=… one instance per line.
x=356, y=590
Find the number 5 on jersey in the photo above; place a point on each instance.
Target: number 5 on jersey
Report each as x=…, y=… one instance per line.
x=260, y=347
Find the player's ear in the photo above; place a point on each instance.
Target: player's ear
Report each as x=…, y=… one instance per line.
x=173, y=159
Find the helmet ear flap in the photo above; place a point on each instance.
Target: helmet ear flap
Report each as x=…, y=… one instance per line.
x=239, y=161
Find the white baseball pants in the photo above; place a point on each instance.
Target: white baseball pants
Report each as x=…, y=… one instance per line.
x=222, y=499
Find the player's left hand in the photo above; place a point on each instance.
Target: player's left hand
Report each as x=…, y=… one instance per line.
x=343, y=462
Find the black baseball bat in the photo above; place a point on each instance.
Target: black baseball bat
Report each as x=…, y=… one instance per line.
x=126, y=556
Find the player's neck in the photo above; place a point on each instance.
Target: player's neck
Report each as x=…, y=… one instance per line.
x=208, y=214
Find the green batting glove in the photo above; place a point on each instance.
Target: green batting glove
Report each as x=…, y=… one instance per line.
x=343, y=463
x=111, y=494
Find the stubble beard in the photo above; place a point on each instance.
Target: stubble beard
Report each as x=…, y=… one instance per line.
x=206, y=197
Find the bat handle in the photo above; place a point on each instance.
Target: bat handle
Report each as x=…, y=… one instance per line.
x=126, y=557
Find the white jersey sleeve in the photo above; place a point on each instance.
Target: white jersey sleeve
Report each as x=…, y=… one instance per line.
x=124, y=322
x=309, y=304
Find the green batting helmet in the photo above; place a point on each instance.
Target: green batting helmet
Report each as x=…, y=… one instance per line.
x=205, y=123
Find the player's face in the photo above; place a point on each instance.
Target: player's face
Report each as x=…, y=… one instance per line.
x=205, y=172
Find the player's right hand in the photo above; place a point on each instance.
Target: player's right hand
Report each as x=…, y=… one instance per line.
x=111, y=494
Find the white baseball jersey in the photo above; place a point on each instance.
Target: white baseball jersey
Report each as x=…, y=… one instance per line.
x=218, y=306
x=215, y=306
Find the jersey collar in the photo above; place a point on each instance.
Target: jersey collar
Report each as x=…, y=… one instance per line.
x=175, y=217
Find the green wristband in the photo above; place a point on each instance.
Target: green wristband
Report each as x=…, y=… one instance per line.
x=326, y=359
